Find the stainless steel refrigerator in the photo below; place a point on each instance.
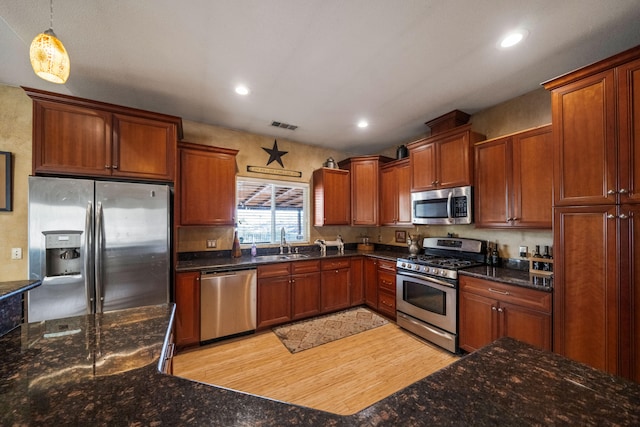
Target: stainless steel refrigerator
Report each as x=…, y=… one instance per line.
x=97, y=246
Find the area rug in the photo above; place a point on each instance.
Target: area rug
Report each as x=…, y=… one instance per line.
x=307, y=334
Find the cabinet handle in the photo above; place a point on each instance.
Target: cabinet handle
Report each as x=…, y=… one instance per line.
x=623, y=191
x=497, y=291
x=494, y=308
x=611, y=192
x=611, y=216
x=115, y=166
x=623, y=216
x=107, y=167
x=500, y=310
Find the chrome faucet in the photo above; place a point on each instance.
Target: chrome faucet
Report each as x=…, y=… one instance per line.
x=283, y=241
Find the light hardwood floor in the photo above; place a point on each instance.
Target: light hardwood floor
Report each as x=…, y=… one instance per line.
x=342, y=377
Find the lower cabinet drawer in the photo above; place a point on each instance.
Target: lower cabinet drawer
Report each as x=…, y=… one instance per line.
x=387, y=303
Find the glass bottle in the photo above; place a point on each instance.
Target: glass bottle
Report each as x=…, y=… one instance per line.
x=236, y=252
x=545, y=265
x=495, y=256
x=536, y=263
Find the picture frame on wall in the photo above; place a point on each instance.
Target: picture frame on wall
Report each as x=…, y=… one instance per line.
x=5, y=181
x=401, y=236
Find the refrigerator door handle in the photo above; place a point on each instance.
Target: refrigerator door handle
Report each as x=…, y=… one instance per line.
x=88, y=252
x=98, y=258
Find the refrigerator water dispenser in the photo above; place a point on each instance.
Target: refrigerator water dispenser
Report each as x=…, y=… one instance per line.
x=63, y=253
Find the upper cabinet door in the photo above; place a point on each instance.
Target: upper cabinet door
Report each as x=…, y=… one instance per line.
x=444, y=160
x=629, y=131
x=71, y=140
x=423, y=166
x=493, y=184
x=453, y=161
x=331, y=193
x=532, y=174
x=144, y=148
x=206, y=185
x=585, y=154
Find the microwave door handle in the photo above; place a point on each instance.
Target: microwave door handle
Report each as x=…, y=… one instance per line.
x=449, y=197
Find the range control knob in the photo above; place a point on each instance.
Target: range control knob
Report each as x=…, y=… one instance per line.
x=403, y=265
x=435, y=271
x=416, y=267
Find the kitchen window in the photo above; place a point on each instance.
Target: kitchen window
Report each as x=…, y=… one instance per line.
x=264, y=207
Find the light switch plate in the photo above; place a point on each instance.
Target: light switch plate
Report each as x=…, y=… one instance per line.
x=212, y=243
x=523, y=251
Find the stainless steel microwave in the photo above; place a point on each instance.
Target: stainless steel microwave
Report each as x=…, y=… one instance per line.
x=445, y=206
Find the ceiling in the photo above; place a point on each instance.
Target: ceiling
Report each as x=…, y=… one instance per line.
x=321, y=65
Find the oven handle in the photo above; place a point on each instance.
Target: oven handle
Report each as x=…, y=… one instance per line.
x=426, y=279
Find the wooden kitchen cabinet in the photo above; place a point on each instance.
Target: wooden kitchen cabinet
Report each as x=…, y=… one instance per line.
x=305, y=289
x=331, y=193
x=371, y=282
x=514, y=181
x=490, y=310
x=587, y=285
x=380, y=285
x=395, y=193
x=596, y=171
x=387, y=288
x=364, y=173
x=444, y=160
x=274, y=295
x=206, y=187
x=357, y=281
x=187, y=299
x=75, y=136
x=335, y=284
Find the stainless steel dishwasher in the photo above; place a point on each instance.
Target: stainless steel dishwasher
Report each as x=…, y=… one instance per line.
x=227, y=303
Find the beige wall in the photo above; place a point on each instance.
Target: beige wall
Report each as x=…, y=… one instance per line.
x=530, y=110
x=15, y=137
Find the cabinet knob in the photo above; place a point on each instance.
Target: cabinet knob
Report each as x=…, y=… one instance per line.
x=623, y=216
x=500, y=310
x=611, y=216
x=107, y=167
x=115, y=166
x=623, y=191
x=611, y=192
x=494, y=308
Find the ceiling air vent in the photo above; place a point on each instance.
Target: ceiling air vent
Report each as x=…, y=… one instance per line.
x=284, y=125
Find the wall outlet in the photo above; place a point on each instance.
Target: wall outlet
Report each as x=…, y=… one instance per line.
x=16, y=253
x=212, y=243
x=523, y=251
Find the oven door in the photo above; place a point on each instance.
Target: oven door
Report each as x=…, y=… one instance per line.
x=427, y=299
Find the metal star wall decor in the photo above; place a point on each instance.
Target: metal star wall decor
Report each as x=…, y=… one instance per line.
x=275, y=154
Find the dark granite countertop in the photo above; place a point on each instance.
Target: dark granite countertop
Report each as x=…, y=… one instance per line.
x=510, y=276
x=107, y=374
x=8, y=289
x=246, y=261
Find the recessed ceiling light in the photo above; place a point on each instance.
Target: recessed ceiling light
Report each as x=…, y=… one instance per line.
x=242, y=90
x=363, y=124
x=513, y=38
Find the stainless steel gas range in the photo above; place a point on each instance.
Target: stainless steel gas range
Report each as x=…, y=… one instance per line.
x=427, y=288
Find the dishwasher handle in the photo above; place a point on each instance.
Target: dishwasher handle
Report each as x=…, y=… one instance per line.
x=226, y=273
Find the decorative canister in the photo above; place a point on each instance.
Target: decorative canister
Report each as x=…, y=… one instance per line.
x=413, y=241
x=330, y=163
x=402, y=152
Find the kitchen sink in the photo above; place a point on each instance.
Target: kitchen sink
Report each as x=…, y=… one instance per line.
x=278, y=257
x=295, y=256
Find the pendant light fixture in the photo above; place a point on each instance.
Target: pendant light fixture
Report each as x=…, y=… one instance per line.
x=48, y=56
